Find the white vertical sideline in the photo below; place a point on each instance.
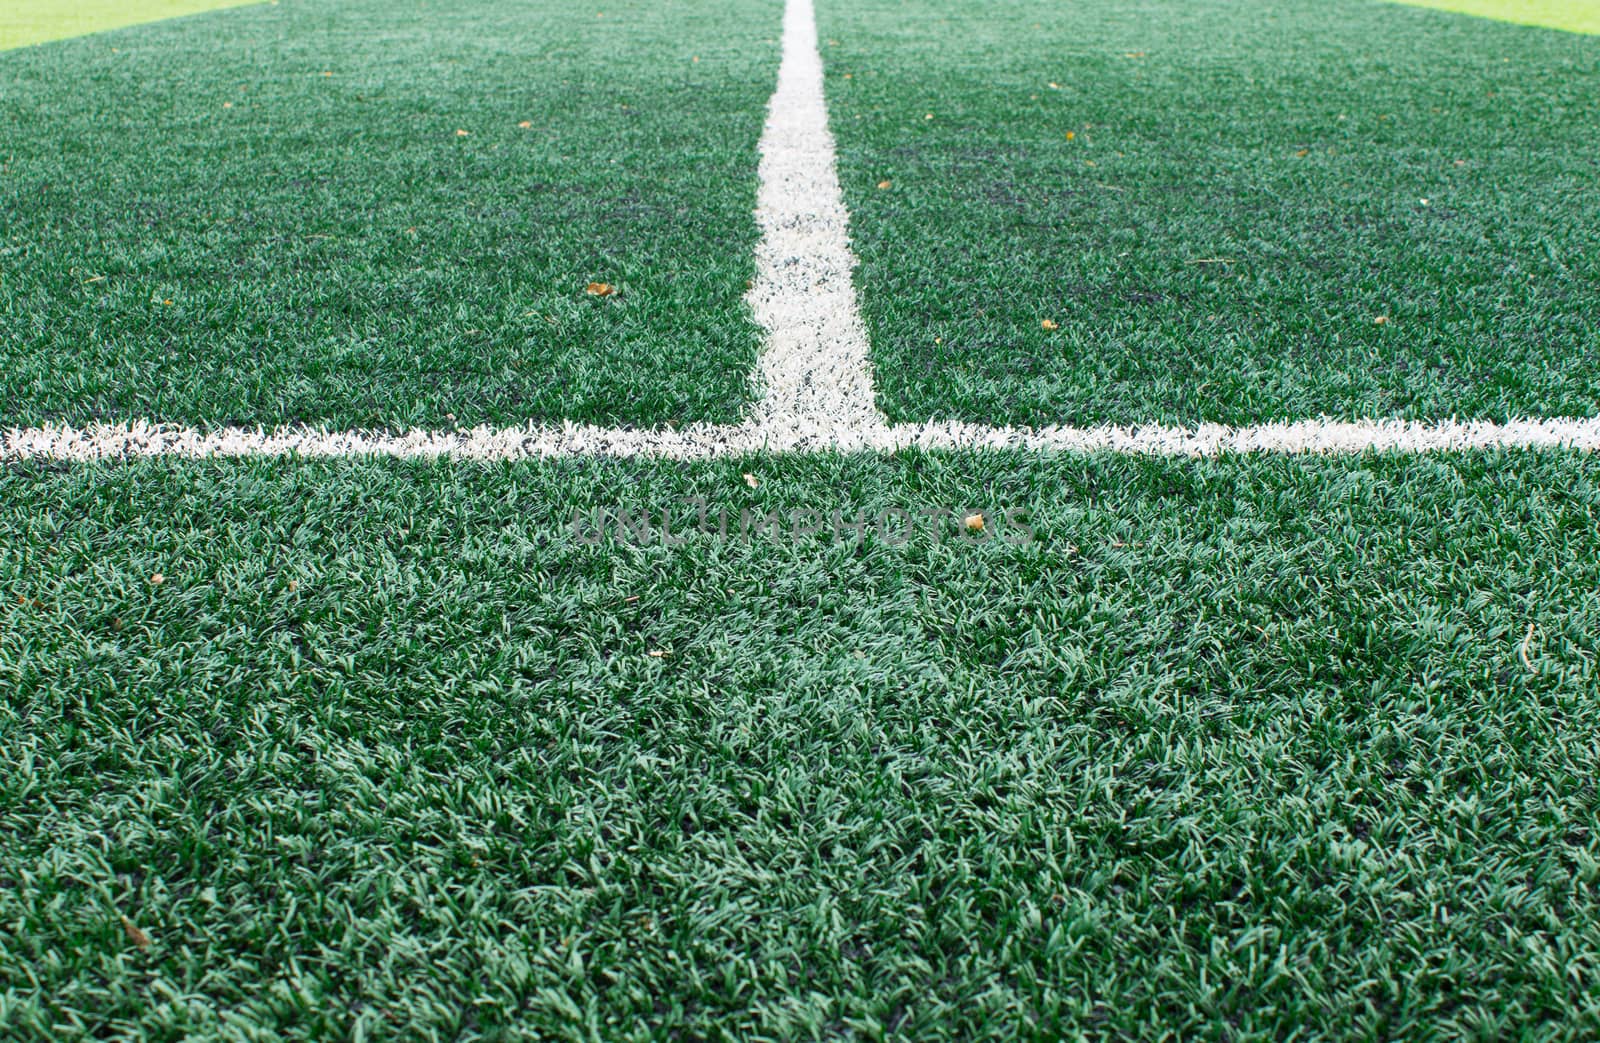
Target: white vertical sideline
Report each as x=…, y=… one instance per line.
x=815, y=377
x=814, y=380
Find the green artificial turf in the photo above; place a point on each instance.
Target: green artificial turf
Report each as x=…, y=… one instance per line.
x=1576, y=16
x=268, y=215
x=1248, y=188
x=1244, y=749
x=27, y=22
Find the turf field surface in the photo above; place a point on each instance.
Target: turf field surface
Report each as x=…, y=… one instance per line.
x=1238, y=747
x=1182, y=213
x=26, y=22
x=378, y=215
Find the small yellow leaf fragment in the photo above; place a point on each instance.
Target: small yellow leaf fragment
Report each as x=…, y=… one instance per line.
x=1071, y=135
x=158, y=579
x=462, y=133
x=525, y=124
x=929, y=116
x=885, y=183
x=294, y=585
x=1303, y=153
x=227, y=104
x=751, y=480
x=327, y=72
x=1381, y=320
x=1049, y=324
x=599, y=289
x=974, y=523
x=658, y=653
x=135, y=935
x=1054, y=86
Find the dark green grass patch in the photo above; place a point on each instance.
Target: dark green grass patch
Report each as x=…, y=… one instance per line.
x=1241, y=749
x=268, y=215
x=1248, y=189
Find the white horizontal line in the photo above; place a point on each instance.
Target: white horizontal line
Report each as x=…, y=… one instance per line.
x=699, y=442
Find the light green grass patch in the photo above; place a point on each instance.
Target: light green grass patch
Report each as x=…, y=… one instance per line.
x=27, y=22
x=1575, y=16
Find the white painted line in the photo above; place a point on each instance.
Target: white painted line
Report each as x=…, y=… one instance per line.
x=116, y=441
x=1300, y=436
x=814, y=385
x=814, y=381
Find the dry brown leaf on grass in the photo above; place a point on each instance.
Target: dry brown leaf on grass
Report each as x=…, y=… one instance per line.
x=885, y=184
x=751, y=480
x=136, y=936
x=1381, y=320
x=600, y=289
x=1049, y=324
x=525, y=124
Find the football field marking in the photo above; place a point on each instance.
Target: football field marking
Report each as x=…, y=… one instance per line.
x=813, y=383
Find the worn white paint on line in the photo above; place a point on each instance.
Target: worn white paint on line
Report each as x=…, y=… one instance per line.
x=814, y=384
x=113, y=441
